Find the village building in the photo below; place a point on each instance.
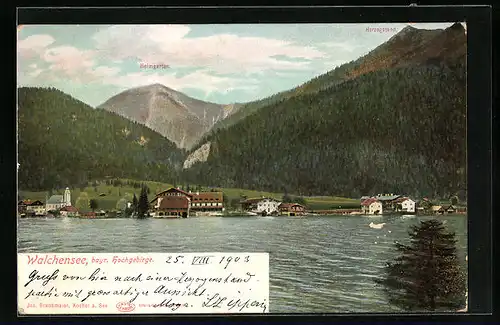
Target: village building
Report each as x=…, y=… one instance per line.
x=388, y=201
x=371, y=206
x=171, y=203
x=435, y=208
x=31, y=208
x=408, y=205
x=37, y=208
x=22, y=207
x=447, y=209
x=56, y=202
x=69, y=211
x=207, y=203
x=405, y=204
x=88, y=215
x=292, y=209
x=262, y=206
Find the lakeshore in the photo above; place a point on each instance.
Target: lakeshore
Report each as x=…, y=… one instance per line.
x=115, y=199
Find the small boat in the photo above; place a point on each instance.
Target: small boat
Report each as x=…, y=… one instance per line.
x=376, y=225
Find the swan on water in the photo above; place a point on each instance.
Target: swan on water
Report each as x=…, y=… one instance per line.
x=376, y=225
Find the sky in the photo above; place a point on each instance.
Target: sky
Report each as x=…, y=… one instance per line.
x=224, y=63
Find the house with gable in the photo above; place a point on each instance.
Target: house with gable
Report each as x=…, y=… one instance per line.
x=405, y=204
x=292, y=209
x=171, y=203
x=371, y=206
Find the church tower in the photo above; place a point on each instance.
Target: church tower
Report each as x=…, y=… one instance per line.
x=67, y=197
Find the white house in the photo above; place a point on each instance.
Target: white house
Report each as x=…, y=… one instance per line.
x=261, y=205
x=408, y=205
x=56, y=202
x=268, y=205
x=36, y=207
x=371, y=206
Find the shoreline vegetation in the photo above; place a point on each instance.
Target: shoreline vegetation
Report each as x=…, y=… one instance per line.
x=110, y=196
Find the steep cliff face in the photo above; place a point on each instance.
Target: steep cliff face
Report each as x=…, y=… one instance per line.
x=199, y=155
x=180, y=118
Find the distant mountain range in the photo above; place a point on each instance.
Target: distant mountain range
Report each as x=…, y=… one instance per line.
x=180, y=118
x=393, y=120
x=409, y=47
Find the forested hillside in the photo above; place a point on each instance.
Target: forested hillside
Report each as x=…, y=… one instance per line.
x=410, y=47
x=64, y=142
x=400, y=129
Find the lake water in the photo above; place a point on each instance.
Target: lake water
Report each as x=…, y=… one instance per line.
x=317, y=264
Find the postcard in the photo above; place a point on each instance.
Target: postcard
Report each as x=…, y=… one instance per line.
x=242, y=168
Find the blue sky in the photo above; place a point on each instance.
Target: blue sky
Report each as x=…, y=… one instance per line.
x=218, y=63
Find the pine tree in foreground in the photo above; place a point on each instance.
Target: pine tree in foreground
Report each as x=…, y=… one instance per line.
x=427, y=275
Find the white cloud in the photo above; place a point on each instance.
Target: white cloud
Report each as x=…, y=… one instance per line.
x=35, y=73
x=222, y=53
x=68, y=59
x=64, y=63
x=223, y=62
x=105, y=71
x=197, y=80
x=32, y=46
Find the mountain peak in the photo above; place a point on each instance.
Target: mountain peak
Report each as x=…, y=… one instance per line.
x=408, y=28
x=156, y=87
x=457, y=27
x=403, y=33
x=157, y=84
x=178, y=117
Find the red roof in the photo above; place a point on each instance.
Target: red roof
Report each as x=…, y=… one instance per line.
x=69, y=208
x=369, y=201
x=174, y=202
